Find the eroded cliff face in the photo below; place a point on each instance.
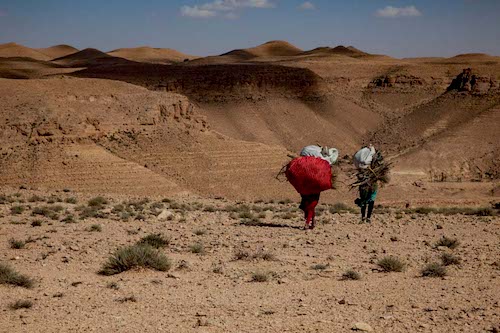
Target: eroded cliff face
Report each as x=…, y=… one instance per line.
x=71, y=110
x=219, y=83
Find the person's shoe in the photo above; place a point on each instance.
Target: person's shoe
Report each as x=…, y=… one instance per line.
x=368, y=220
x=363, y=219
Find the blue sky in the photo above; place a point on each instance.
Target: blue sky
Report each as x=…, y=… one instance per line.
x=398, y=28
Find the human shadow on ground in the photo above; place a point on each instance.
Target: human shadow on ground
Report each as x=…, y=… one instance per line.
x=269, y=225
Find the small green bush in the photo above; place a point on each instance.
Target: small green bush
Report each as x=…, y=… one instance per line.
x=260, y=277
x=71, y=200
x=320, y=267
x=391, y=264
x=16, y=210
x=340, y=207
x=351, y=275
x=97, y=202
x=16, y=243
x=157, y=241
x=9, y=276
x=449, y=259
x=197, y=248
x=133, y=256
x=21, y=304
x=36, y=223
x=95, y=228
x=451, y=243
x=434, y=270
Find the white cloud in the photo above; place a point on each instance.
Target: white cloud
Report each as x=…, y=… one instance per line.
x=216, y=7
x=307, y=6
x=195, y=11
x=390, y=11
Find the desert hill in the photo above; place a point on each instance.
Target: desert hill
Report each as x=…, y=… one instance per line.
x=275, y=48
x=268, y=51
x=89, y=57
x=151, y=55
x=28, y=68
x=349, y=51
x=58, y=51
x=10, y=50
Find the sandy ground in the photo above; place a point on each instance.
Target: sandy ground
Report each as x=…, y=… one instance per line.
x=214, y=292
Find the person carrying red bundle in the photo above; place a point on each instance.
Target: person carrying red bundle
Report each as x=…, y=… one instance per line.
x=310, y=174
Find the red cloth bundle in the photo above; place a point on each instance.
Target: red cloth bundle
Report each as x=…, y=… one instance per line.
x=309, y=175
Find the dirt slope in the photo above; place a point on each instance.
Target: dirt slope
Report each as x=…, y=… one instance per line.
x=58, y=51
x=15, y=50
x=151, y=55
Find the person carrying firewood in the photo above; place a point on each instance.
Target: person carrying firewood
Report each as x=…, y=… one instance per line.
x=370, y=170
x=310, y=174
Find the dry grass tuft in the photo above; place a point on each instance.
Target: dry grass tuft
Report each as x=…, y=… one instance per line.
x=391, y=264
x=21, y=304
x=9, y=276
x=434, y=270
x=137, y=255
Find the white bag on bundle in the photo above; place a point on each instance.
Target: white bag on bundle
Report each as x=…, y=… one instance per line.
x=328, y=154
x=363, y=158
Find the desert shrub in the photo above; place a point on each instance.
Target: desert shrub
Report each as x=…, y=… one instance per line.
x=35, y=198
x=16, y=243
x=21, y=304
x=36, y=223
x=118, y=208
x=197, y=248
x=68, y=219
x=137, y=255
x=451, y=243
x=97, y=202
x=92, y=212
x=391, y=264
x=157, y=241
x=242, y=254
x=54, y=199
x=264, y=255
x=126, y=215
x=245, y=215
x=209, y=209
x=113, y=285
x=288, y=216
x=140, y=217
x=434, y=270
x=46, y=211
x=340, y=207
x=320, y=267
x=200, y=232
x=16, y=210
x=138, y=205
x=125, y=299
x=351, y=275
x=3, y=199
x=95, y=228
x=449, y=259
x=254, y=221
x=71, y=200
x=9, y=276
x=260, y=277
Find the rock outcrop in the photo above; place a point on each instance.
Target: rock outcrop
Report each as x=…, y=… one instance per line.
x=470, y=81
x=392, y=81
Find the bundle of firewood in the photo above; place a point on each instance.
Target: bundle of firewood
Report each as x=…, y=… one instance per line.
x=377, y=172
